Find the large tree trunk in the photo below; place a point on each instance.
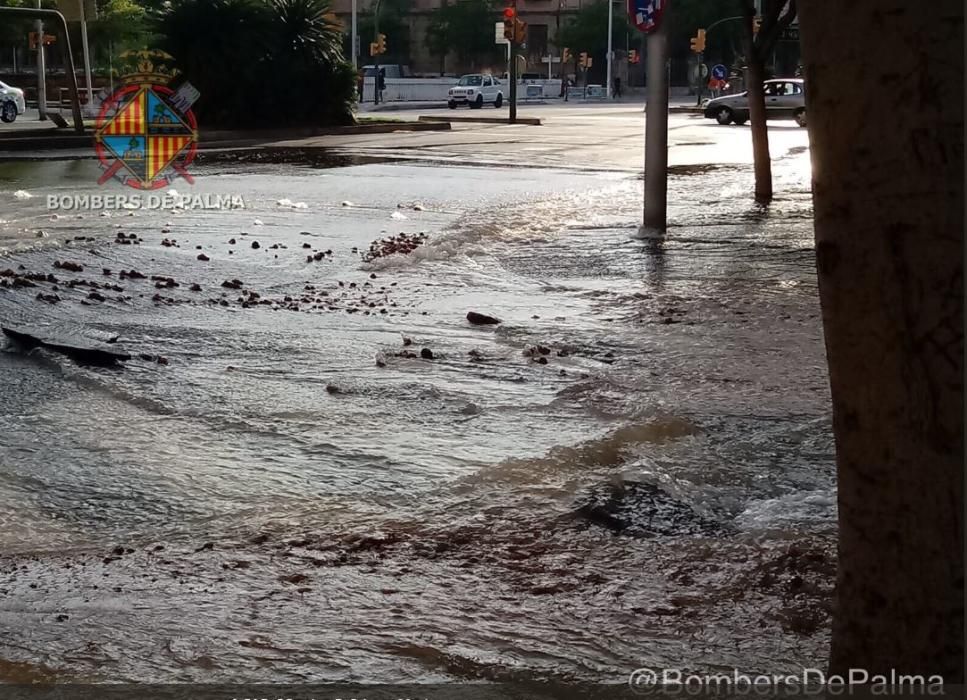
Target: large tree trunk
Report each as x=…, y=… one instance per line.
x=885, y=100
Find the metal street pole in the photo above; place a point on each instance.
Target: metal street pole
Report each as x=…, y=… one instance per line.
x=355, y=43
x=375, y=56
x=610, y=51
x=513, y=70
x=87, y=57
x=41, y=70
x=656, y=133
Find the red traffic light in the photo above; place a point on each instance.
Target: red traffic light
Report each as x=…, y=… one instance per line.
x=509, y=13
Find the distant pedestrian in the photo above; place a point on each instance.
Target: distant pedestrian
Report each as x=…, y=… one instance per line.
x=617, y=88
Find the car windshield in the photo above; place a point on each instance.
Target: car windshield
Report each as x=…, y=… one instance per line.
x=475, y=80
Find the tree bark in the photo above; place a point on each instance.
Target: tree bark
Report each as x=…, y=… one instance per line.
x=754, y=75
x=762, y=160
x=885, y=106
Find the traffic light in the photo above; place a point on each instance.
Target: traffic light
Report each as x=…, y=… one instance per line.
x=48, y=40
x=566, y=56
x=520, y=31
x=633, y=56
x=698, y=41
x=510, y=23
x=756, y=25
x=380, y=43
x=583, y=60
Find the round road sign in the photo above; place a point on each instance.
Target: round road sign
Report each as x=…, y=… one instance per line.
x=719, y=71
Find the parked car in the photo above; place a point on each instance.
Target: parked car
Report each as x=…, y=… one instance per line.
x=474, y=90
x=785, y=99
x=12, y=103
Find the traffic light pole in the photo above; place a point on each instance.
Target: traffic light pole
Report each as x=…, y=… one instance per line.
x=513, y=70
x=375, y=54
x=656, y=134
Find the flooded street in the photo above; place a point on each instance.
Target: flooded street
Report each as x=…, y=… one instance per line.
x=332, y=476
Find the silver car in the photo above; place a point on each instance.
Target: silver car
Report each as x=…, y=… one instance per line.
x=785, y=99
x=12, y=103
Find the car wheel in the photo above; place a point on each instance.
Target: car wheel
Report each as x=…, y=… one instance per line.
x=452, y=105
x=723, y=116
x=800, y=116
x=499, y=101
x=8, y=112
x=740, y=120
x=478, y=103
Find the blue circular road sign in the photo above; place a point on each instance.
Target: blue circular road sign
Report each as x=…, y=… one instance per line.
x=719, y=71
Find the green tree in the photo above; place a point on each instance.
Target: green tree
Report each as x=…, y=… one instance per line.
x=464, y=28
x=587, y=30
x=394, y=23
x=268, y=64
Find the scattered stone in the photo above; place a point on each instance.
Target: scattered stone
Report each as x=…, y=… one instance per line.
x=294, y=579
x=96, y=296
x=106, y=272
x=195, y=287
x=426, y=354
x=479, y=319
x=207, y=547
x=234, y=284
x=203, y=257
x=255, y=245
x=69, y=266
x=306, y=245
x=402, y=244
x=231, y=241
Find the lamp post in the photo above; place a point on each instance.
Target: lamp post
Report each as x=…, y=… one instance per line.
x=610, y=51
x=87, y=58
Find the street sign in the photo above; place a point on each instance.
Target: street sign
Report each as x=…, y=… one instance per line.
x=499, y=37
x=790, y=33
x=719, y=71
x=646, y=15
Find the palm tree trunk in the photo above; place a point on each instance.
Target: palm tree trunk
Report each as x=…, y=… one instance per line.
x=888, y=185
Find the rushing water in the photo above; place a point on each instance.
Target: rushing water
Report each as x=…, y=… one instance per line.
x=293, y=500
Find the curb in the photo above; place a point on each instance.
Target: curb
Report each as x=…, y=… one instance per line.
x=529, y=121
x=210, y=139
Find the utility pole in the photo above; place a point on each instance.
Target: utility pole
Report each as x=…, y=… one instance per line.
x=87, y=57
x=610, y=48
x=41, y=70
x=513, y=68
x=656, y=133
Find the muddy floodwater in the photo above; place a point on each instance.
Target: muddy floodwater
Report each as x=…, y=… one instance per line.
x=314, y=468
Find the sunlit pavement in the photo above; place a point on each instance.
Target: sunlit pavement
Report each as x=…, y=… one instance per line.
x=587, y=136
